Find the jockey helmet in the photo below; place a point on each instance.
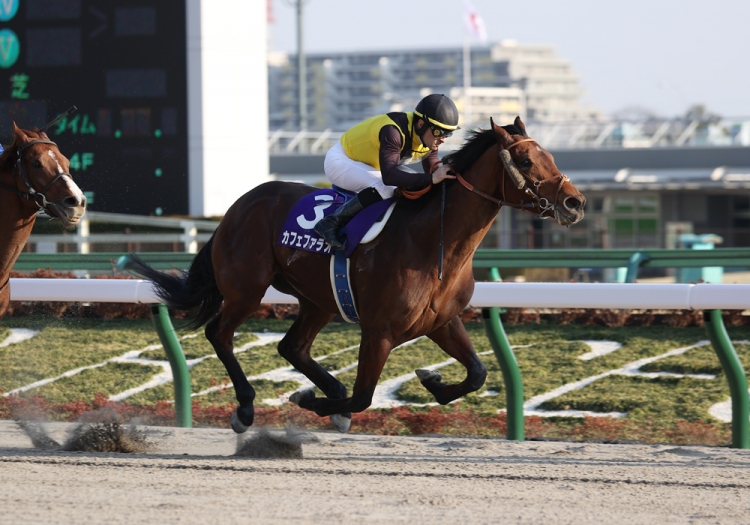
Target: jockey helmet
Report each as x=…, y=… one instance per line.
x=440, y=113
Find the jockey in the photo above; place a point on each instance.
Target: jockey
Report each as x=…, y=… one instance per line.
x=370, y=156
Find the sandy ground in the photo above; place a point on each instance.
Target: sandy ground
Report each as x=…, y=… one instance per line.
x=192, y=477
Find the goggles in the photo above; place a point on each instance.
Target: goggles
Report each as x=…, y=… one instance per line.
x=440, y=132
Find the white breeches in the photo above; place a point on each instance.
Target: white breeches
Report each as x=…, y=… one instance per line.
x=353, y=175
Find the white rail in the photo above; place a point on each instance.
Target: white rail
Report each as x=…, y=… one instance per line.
x=613, y=295
x=510, y=295
x=103, y=291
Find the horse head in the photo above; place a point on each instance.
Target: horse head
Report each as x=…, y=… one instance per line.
x=41, y=176
x=531, y=180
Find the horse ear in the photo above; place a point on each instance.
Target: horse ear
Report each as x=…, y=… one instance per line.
x=19, y=134
x=503, y=136
x=519, y=124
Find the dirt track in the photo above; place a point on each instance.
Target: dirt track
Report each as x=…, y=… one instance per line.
x=192, y=478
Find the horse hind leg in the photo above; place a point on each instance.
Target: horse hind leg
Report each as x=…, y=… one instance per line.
x=295, y=348
x=220, y=333
x=453, y=340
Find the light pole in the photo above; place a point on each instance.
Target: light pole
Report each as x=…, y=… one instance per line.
x=301, y=68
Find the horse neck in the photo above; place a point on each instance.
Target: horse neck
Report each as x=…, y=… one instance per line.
x=16, y=221
x=468, y=216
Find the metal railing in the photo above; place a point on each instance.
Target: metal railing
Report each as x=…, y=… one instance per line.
x=605, y=133
x=193, y=232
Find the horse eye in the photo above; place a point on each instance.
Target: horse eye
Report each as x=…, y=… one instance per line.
x=525, y=163
x=36, y=164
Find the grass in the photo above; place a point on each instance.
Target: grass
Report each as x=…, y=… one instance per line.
x=66, y=344
x=195, y=345
x=107, y=380
x=699, y=361
x=646, y=399
x=657, y=407
x=4, y=333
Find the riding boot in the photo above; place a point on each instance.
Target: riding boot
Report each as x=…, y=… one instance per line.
x=329, y=227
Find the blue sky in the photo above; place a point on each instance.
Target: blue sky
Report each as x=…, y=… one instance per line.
x=662, y=55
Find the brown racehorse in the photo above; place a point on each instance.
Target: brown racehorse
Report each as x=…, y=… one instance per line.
x=394, y=278
x=33, y=176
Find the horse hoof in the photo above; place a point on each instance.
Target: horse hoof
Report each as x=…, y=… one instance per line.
x=238, y=426
x=341, y=423
x=302, y=395
x=428, y=376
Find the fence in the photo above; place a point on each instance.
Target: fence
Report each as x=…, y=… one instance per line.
x=625, y=133
x=190, y=232
x=489, y=296
x=631, y=260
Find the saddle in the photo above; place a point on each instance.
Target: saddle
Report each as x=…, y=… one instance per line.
x=363, y=228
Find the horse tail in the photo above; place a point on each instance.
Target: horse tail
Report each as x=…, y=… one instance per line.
x=194, y=290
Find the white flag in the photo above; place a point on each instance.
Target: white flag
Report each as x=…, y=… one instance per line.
x=474, y=22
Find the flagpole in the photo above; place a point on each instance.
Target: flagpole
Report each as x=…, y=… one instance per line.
x=467, y=80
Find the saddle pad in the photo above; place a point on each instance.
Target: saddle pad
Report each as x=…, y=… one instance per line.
x=298, y=228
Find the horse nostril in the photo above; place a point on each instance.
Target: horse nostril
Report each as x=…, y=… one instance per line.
x=573, y=203
x=72, y=201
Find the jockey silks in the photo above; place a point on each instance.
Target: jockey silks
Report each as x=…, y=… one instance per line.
x=362, y=142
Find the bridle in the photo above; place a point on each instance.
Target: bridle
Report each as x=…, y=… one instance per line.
x=523, y=182
x=31, y=194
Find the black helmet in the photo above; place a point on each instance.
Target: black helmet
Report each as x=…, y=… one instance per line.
x=439, y=111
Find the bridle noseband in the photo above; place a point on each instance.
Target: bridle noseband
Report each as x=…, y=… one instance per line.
x=522, y=182
x=31, y=194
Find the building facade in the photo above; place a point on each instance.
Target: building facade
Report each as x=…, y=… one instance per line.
x=345, y=88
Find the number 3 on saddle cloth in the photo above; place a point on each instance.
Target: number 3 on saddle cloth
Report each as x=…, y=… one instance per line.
x=364, y=227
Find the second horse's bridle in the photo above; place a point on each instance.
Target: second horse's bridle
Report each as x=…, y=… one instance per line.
x=32, y=194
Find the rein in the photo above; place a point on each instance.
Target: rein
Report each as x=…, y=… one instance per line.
x=521, y=180
x=522, y=183
x=31, y=194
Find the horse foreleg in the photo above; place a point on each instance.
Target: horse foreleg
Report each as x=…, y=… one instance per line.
x=372, y=357
x=455, y=342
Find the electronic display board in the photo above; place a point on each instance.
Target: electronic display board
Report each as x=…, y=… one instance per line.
x=123, y=63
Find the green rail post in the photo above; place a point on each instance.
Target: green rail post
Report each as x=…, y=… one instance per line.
x=182, y=393
x=730, y=362
x=493, y=326
x=634, y=262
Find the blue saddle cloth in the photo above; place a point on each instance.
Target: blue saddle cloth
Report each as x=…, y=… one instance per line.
x=298, y=228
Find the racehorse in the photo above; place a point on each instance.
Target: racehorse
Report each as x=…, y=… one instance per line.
x=394, y=278
x=34, y=176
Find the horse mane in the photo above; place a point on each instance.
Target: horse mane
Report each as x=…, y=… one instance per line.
x=478, y=141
